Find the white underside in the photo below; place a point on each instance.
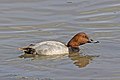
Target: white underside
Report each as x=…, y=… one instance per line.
x=51, y=48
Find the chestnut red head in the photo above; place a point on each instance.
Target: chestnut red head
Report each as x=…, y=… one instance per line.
x=79, y=39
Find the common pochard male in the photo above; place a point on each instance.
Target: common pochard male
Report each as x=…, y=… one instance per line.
x=57, y=48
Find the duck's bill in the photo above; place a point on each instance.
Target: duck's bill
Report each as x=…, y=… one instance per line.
x=92, y=41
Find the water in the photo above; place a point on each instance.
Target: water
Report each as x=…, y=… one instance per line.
x=26, y=21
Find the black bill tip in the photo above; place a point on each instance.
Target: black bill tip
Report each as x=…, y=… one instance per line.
x=92, y=41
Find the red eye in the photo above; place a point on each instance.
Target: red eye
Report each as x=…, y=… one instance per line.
x=86, y=37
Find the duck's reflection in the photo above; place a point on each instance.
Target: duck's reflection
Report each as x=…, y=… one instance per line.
x=81, y=60
x=41, y=57
x=27, y=56
x=77, y=58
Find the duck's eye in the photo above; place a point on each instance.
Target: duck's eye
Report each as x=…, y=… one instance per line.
x=86, y=37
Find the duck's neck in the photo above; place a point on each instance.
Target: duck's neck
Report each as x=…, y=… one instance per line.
x=74, y=49
x=73, y=46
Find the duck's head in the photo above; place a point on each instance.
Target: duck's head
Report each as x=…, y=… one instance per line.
x=80, y=39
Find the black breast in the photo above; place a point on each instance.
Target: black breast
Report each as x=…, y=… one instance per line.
x=74, y=49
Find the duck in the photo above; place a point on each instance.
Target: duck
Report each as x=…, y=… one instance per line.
x=58, y=48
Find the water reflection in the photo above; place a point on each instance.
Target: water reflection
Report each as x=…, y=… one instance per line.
x=41, y=57
x=78, y=59
x=27, y=56
x=81, y=60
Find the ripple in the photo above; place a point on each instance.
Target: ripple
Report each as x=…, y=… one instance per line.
x=28, y=21
x=3, y=32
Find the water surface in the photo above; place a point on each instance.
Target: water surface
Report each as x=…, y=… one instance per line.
x=26, y=21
